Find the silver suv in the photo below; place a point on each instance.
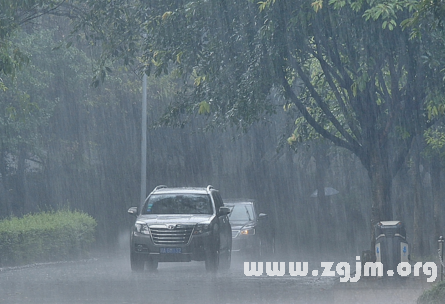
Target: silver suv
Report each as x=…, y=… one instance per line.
x=181, y=225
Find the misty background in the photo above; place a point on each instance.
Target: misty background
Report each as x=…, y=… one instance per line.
x=66, y=144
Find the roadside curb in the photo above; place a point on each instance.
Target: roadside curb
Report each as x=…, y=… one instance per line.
x=11, y=268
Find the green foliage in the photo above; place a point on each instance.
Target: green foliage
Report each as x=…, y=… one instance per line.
x=303, y=132
x=231, y=58
x=426, y=14
x=265, y=4
x=33, y=94
x=47, y=236
x=113, y=26
x=435, y=139
x=387, y=11
x=13, y=15
x=218, y=64
x=350, y=69
x=434, y=295
x=204, y=108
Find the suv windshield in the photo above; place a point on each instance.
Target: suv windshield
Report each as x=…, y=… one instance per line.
x=241, y=212
x=178, y=204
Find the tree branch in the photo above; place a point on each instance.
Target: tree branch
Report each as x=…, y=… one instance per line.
x=318, y=128
x=325, y=108
x=328, y=71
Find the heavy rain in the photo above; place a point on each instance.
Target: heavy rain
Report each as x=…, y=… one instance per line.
x=221, y=151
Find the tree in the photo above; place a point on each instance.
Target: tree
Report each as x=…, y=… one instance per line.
x=361, y=84
x=352, y=72
x=26, y=110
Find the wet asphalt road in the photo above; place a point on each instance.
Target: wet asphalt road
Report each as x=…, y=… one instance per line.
x=108, y=279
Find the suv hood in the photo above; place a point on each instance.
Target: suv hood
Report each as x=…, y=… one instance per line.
x=187, y=219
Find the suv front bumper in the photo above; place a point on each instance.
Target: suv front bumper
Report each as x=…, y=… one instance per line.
x=194, y=250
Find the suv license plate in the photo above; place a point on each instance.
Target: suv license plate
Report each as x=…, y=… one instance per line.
x=170, y=250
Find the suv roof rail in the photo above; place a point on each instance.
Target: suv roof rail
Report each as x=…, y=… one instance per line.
x=160, y=187
x=210, y=187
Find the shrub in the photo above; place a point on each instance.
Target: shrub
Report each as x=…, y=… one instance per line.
x=46, y=236
x=435, y=295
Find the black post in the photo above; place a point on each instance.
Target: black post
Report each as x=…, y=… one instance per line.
x=441, y=240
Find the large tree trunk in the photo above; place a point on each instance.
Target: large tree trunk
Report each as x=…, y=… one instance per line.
x=324, y=208
x=435, y=186
x=418, y=248
x=381, y=183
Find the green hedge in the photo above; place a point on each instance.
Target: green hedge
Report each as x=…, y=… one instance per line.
x=435, y=295
x=45, y=237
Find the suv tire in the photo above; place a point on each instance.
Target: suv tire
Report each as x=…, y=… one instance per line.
x=212, y=258
x=226, y=261
x=152, y=265
x=137, y=263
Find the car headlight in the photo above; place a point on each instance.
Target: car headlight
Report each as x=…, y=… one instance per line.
x=142, y=228
x=248, y=231
x=201, y=228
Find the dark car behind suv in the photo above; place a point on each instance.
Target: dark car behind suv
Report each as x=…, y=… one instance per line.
x=252, y=232
x=181, y=225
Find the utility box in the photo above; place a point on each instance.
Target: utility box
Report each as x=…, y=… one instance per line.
x=391, y=247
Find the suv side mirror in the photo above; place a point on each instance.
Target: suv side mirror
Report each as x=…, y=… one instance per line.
x=262, y=216
x=133, y=211
x=224, y=210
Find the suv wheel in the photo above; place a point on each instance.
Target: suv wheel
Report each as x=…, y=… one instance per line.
x=137, y=263
x=212, y=258
x=152, y=264
x=227, y=260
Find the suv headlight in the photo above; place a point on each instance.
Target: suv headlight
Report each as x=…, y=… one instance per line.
x=201, y=228
x=142, y=228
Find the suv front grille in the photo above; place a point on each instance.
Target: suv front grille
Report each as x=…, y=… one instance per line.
x=176, y=236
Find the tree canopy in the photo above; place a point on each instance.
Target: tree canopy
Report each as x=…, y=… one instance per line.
x=356, y=77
